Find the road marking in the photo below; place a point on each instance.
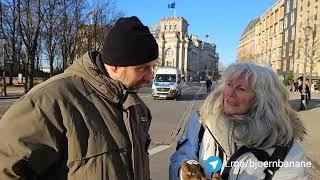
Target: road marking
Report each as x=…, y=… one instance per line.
x=145, y=96
x=5, y=106
x=186, y=88
x=8, y=100
x=158, y=149
x=184, y=118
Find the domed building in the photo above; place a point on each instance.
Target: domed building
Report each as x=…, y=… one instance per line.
x=196, y=59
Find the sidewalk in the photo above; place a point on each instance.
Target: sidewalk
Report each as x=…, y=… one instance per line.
x=14, y=91
x=311, y=120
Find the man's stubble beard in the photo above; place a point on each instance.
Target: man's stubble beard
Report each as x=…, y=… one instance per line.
x=123, y=78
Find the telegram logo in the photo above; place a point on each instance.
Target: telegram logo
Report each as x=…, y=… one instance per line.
x=213, y=164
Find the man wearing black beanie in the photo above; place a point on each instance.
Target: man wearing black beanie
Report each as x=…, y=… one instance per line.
x=88, y=122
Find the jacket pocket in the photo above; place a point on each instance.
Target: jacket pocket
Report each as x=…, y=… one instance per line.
x=98, y=157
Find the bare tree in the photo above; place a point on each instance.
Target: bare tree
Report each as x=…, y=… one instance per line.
x=313, y=50
x=50, y=31
x=30, y=16
x=96, y=25
x=9, y=30
x=72, y=21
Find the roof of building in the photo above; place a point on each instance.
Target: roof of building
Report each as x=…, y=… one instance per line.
x=250, y=26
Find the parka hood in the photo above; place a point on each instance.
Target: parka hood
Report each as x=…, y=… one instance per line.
x=86, y=68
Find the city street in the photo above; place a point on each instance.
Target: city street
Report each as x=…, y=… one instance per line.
x=170, y=117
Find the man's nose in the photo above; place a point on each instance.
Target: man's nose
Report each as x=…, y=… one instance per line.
x=148, y=76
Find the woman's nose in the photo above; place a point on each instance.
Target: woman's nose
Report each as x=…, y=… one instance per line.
x=230, y=91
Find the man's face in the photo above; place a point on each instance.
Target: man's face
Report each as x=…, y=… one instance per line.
x=135, y=76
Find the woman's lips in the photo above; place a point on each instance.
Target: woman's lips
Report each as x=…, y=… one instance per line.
x=232, y=103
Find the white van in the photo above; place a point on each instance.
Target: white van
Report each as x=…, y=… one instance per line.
x=166, y=83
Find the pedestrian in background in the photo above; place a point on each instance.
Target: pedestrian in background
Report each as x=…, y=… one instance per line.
x=296, y=86
x=247, y=118
x=208, y=84
x=88, y=122
x=308, y=93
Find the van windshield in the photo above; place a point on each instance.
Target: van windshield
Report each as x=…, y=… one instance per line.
x=165, y=78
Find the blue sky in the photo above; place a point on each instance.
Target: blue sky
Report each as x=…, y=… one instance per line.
x=223, y=20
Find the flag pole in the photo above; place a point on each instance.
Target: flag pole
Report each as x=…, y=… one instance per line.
x=174, y=12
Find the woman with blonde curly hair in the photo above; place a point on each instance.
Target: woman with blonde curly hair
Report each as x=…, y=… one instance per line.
x=245, y=120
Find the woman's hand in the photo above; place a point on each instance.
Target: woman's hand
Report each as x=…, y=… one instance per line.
x=216, y=176
x=192, y=171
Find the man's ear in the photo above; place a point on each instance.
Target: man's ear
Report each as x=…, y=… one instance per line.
x=113, y=71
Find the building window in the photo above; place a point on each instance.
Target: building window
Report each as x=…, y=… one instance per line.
x=293, y=33
x=284, y=68
x=169, y=63
x=290, y=49
x=281, y=26
x=286, y=35
x=288, y=7
x=285, y=22
x=308, y=4
x=291, y=64
x=169, y=52
x=284, y=51
x=294, y=4
x=292, y=18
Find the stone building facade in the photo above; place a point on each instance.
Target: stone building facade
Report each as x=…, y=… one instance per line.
x=289, y=35
x=246, y=49
x=280, y=40
x=196, y=59
x=261, y=41
x=308, y=14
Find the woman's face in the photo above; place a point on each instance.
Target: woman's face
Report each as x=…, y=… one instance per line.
x=238, y=96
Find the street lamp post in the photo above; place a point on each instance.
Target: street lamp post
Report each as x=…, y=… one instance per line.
x=4, y=91
x=307, y=32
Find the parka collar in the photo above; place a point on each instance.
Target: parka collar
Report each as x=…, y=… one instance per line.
x=111, y=89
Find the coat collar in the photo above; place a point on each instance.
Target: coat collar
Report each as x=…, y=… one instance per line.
x=111, y=89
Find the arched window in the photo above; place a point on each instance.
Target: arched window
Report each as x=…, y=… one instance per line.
x=169, y=52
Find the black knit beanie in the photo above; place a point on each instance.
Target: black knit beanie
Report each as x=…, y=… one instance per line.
x=129, y=43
